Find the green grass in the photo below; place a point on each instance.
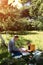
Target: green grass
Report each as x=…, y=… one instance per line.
x=36, y=37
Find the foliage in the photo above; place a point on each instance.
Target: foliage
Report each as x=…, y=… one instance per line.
x=23, y=1
x=12, y=18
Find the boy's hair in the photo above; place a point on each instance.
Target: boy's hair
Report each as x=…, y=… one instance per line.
x=28, y=42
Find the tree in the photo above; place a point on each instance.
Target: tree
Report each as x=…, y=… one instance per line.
x=3, y=41
x=13, y=18
x=23, y=1
x=35, y=8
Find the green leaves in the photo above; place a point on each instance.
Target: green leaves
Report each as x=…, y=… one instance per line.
x=14, y=19
x=23, y=1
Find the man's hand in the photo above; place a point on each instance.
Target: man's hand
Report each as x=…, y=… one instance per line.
x=23, y=50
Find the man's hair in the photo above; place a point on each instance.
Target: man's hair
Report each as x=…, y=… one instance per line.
x=16, y=36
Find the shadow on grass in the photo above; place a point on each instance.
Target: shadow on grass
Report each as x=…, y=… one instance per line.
x=3, y=55
x=6, y=61
x=20, y=32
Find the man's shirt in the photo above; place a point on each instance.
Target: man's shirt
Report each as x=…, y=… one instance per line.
x=12, y=46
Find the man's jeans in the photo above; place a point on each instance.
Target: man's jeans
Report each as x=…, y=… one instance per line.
x=16, y=53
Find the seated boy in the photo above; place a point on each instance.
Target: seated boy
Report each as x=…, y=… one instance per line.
x=31, y=47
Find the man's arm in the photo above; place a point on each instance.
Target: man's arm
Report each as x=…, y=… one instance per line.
x=10, y=46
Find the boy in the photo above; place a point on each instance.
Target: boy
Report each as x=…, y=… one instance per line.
x=31, y=47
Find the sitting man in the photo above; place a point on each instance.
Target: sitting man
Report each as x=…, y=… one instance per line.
x=12, y=46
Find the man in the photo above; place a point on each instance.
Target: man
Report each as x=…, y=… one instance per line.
x=12, y=47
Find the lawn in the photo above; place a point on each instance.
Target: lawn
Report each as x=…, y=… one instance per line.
x=36, y=37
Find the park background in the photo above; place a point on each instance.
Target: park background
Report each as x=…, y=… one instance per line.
x=23, y=18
